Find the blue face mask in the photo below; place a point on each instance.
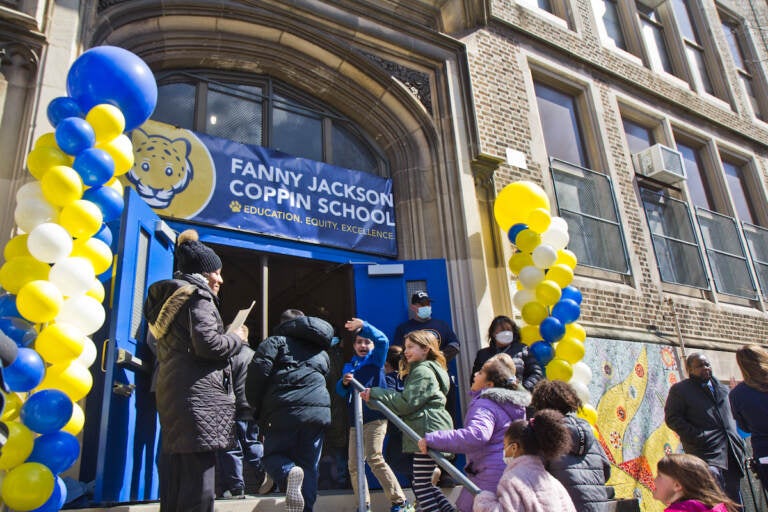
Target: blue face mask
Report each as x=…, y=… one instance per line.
x=424, y=312
x=335, y=341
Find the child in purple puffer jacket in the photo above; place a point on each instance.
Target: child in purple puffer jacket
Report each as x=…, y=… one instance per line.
x=496, y=401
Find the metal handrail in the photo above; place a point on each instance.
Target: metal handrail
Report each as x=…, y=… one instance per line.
x=395, y=419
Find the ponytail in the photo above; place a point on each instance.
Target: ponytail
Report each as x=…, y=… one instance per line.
x=544, y=435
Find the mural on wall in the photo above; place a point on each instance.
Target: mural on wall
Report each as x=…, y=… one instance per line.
x=629, y=387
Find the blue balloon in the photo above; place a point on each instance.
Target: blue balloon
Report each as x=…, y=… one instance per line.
x=19, y=330
x=551, y=329
x=573, y=293
x=566, y=310
x=515, y=230
x=109, y=201
x=57, y=450
x=95, y=166
x=74, y=134
x=57, y=499
x=543, y=352
x=105, y=235
x=25, y=372
x=108, y=74
x=61, y=108
x=8, y=305
x=46, y=411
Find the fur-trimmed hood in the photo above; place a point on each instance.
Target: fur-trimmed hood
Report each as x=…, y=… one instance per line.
x=504, y=396
x=165, y=299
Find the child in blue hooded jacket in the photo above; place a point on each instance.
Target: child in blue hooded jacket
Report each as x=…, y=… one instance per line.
x=367, y=367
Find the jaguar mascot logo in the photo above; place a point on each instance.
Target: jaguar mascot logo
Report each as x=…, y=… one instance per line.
x=173, y=171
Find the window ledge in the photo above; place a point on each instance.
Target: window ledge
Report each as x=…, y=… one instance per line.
x=609, y=45
x=603, y=275
x=552, y=18
x=686, y=291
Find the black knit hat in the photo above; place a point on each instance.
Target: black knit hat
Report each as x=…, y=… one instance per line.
x=194, y=257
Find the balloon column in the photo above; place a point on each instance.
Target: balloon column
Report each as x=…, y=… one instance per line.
x=550, y=306
x=53, y=299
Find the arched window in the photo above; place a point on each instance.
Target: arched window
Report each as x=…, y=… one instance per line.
x=263, y=112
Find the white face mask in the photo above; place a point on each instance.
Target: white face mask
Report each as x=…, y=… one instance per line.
x=508, y=460
x=504, y=338
x=424, y=312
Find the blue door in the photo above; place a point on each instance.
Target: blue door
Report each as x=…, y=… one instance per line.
x=128, y=431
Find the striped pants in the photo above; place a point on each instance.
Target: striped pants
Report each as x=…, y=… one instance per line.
x=430, y=498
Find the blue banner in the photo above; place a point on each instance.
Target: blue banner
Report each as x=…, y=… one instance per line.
x=250, y=188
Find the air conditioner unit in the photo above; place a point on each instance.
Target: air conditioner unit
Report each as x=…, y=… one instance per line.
x=660, y=163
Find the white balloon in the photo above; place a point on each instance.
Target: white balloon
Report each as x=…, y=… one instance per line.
x=530, y=276
x=88, y=356
x=49, y=242
x=544, y=256
x=581, y=373
x=33, y=212
x=84, y=312
x=31, y=190
x=72, y=275
x=523, y=297
x=555, y=237
x=581, y=389
x=559, y=224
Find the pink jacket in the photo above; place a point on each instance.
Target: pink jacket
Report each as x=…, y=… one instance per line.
x=525, y=486
x=694, y=506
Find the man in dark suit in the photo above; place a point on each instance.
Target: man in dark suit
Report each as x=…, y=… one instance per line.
x=698, y=410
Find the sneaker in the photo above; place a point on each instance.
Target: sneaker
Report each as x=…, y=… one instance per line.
x=402, y=507
x=266, y=484
x=237, y=494
x=294, y=501
x=436, y=474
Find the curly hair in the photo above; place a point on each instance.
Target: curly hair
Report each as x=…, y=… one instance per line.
x=694, y=477
x=500, y=369
x=555, y=394
x=544, y=435
x=499, y=321
x=753, y=362
x=425, y=339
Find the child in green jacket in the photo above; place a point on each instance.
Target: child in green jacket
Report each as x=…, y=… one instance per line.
x=421, y=405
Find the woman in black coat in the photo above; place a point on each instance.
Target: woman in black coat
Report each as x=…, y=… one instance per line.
x=504, y=336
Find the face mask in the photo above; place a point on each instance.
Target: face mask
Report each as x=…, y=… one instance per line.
x=335, y=341
x=508, y=460
x=424, y=312
x=504, y=338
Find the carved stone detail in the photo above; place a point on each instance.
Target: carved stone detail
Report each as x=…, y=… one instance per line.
x=415, y=81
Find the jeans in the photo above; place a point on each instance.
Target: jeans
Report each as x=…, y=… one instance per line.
x=373, y=442
x=248, y=450
x=729, y=479
x=284, y=449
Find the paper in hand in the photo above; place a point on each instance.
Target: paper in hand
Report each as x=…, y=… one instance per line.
x=240, y=318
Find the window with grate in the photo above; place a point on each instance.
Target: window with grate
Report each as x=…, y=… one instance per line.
x=586, y=201
x=757, y=242
x=698, y=189
x=725, y=253
x=263, y=112
x=675, y=245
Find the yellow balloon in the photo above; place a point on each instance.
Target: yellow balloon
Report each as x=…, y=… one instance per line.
x=95, y=251
x=588, y=413
x=558, y=369
x=72, y=378
x=107, y=122
x=529, y=334
x=76, y=422
x=17, y=272
x=19, y=445
x=81, y=218
x=516, y=201
x=567, y=258
x=548, y=292
x=46, y=140
x=61, y=185
x=527, y=240
x=116, y=184
x=43, y=159
x=16, y=247
x=39, y=301
x=561, y=274
x=575, y=330
x=59, y=343
x=97, y=291
x=538, y=220
x=13, y=403
x=534, y=313
x=121, y=150
x=27, y=486
x=520, y=260
x=569, y=349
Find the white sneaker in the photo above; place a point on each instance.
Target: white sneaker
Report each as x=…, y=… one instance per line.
x=294, y=501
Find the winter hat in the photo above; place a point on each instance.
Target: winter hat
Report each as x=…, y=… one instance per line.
x=193, y=257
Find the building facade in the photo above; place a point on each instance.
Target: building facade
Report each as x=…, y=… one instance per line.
x=645, y=122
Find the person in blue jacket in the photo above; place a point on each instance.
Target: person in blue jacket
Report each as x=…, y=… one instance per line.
x=367, y=367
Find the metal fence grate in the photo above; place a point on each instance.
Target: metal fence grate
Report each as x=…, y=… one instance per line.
x=757, y=241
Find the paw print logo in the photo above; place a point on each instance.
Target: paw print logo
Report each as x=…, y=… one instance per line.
x=235, y=206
